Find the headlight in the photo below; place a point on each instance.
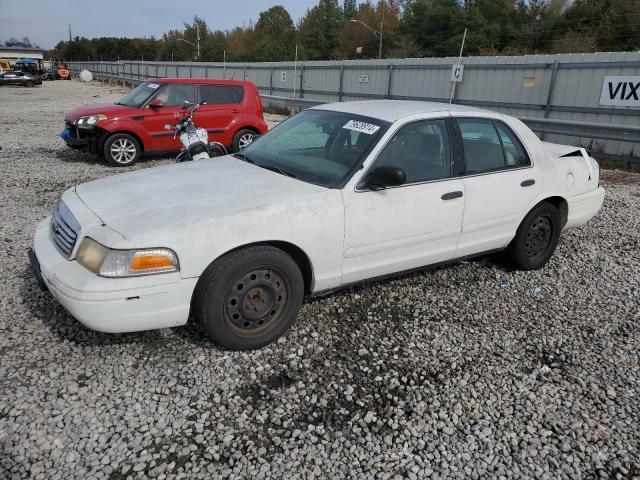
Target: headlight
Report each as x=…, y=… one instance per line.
x=107, y=262
x=90, y=121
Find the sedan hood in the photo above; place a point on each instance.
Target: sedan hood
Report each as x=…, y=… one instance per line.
x=108, y=109
x=166, y=197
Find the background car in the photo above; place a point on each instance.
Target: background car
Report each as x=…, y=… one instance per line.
x=232, y=114
x=17, y=77
x=48, y=74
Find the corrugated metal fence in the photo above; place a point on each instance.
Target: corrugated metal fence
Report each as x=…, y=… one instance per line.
x=558, y=88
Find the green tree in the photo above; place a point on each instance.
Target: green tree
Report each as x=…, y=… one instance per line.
x=350, y=9
x=320, y=29
x=435, y=25
x=275, y=36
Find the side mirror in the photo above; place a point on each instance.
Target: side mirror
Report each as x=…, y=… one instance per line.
x=168, y=127
x=383, y=177
x=156, y=103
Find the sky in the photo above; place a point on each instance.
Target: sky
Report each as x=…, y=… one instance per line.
x=45, y=22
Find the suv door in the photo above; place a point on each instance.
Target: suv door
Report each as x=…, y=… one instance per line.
x=221, y=112
x=173, y=96
x=409, y=226
x=500, y=184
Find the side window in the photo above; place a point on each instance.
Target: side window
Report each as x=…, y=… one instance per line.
x=218, y=94
x=490, y=146
x=239, y=93
x=482, y=147
x=175, y=94
x=515, y=155
x=421, y=150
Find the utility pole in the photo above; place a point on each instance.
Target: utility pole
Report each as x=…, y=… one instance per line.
x=69, y=33
x=198, y=39
x=381, y=30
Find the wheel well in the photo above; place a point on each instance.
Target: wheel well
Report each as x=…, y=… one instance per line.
x=247, y=127
x=110, y=134
x=562, y=206
x=295, y=252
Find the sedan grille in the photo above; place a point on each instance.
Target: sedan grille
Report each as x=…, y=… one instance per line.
x=64, y=229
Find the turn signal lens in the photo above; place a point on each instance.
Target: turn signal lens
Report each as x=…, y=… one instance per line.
x=111, y=263
x=150, y=262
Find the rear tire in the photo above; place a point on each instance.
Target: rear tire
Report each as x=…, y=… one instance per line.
x=242, y=139
x=122, y=150
x=249, y=298
x=536, y=239
x=28, y=84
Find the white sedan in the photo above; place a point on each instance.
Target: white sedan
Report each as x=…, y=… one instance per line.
x=338, y=194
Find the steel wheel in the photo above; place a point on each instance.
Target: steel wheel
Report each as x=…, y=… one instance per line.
x=539, y=237
x=255, y=301
x=123, y=151
x=245, y=140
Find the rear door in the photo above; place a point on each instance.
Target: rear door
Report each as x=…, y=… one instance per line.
x=500, y=184
x=173, y=96
x=221, y=115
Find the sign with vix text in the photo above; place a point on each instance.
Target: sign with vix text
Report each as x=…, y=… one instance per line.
x=621, y=90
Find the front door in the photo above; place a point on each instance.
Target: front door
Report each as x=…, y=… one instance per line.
x=409, y=226
x=221, y=111
x=500, y=185
x=173, y=97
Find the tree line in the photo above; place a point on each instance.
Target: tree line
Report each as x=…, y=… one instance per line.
x=410, y=28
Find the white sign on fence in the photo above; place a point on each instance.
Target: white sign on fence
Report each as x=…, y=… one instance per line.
x=363, y=78
x=283, y=76
x=619, y=90
x=456, y=72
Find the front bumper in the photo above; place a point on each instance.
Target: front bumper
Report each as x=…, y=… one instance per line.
x=87, y=140
x=584, y=207
x=113, y=305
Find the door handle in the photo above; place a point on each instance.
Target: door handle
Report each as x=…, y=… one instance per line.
x=528, y=183
x=451, y=195
x=235, y=110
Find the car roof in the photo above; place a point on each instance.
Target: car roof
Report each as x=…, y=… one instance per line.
x=200, y=81
x=393, y=110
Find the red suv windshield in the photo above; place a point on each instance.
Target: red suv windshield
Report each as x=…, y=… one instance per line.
x=139, y=95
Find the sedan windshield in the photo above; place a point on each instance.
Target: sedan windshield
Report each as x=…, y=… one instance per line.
x=139, y=95
x=317, y=146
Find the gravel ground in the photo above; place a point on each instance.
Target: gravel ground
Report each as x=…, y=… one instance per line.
x=442, y=374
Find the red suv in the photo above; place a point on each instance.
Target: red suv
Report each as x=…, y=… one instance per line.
x=232, y=114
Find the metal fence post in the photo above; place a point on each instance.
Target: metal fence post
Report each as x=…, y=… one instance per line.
x=301, y=81
x=271, y=81
x=389, y=80
x=552, y=84
x=340, y=82
x=191, y=70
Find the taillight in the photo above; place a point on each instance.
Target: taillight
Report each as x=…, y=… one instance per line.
x=259, y=103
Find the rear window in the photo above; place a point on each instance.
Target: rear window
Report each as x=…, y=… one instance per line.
x=220, y=94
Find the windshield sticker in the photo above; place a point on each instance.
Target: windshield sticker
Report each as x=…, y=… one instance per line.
x=153, y=85
x=362, y=127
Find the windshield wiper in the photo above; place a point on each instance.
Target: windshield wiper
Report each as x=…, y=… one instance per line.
x=278, y=170
x=243, y=157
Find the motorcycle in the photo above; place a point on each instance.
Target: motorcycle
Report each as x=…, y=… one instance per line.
x=195, y=141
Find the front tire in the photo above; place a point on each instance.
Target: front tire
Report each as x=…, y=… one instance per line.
x=122, y=150
x=28, y=84
x=249, y=298
x=242, y=139
x=536, y=239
